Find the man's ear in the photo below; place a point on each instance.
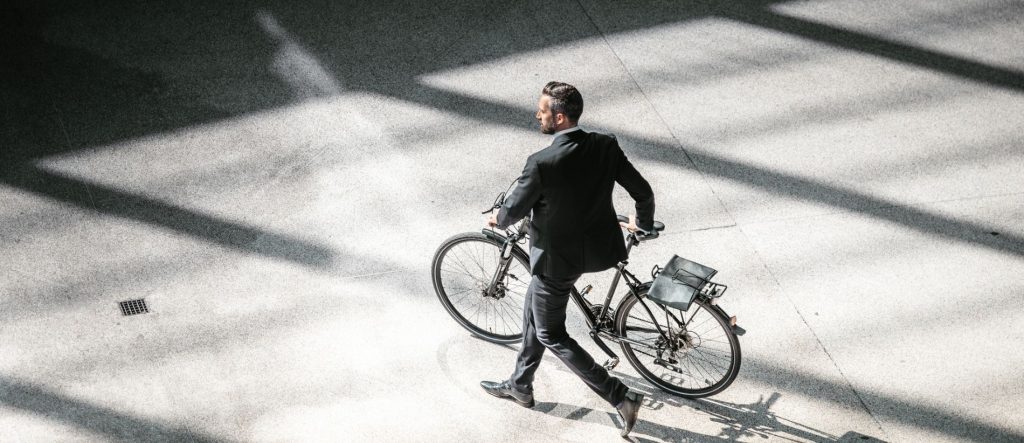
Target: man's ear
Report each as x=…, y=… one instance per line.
x=560, y=119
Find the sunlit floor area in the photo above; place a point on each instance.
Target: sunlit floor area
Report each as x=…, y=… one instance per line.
x=273, y=178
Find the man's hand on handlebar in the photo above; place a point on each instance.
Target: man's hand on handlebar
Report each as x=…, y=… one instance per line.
x=492, y=219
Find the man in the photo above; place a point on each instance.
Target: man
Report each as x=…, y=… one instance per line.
x=574, y=229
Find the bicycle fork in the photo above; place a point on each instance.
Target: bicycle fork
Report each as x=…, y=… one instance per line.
x=499, y=275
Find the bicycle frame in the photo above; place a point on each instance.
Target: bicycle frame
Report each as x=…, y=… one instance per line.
x=597, y=329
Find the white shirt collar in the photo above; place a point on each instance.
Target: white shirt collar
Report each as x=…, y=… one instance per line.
x=566, y=131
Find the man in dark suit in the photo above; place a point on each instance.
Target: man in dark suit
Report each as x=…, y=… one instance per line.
x=574, y=230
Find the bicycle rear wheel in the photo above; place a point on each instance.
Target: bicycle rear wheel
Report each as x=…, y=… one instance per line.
x=700, y=356
x=462, y=269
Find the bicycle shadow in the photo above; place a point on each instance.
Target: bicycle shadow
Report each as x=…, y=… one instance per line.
x=742, y=420
x=739, y=421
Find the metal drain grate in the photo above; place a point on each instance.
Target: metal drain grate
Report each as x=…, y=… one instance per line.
x=132, y=307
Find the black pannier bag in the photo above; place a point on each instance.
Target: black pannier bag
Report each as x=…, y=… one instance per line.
x=677, y=284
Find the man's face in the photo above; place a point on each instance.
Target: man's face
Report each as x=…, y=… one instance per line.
x=544, y=116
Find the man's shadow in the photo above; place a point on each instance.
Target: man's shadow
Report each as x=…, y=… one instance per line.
x=612, y=420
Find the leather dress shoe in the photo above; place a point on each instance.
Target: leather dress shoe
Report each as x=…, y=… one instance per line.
x=506, y=390
x=629, y=409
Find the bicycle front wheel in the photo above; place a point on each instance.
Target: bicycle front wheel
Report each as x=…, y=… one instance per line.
x=695, y=354
x=463, y=268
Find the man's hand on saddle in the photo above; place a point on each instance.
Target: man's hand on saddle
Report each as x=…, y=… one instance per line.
x=641, y=234
x=631, y=226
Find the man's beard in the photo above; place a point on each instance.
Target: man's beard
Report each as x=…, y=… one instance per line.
x=550, y=129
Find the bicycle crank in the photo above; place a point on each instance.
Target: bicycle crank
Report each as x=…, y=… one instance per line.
x=611, y=363
x=603, y=321
x=613, y=358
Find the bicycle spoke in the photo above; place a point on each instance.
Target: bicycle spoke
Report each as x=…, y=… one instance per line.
x=463, y=295
x=714, y=341
x=483, y=258
x=700, y=368
x=503, y=306
x=696, y=356
x=692, y=327
x=709, y=377
x=458, y=261
x=504, y=320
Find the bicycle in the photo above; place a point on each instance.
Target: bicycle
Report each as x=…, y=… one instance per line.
x=481, y=279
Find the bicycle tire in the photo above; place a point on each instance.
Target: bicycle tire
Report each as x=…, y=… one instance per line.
x=711, y=345
x=462, y=266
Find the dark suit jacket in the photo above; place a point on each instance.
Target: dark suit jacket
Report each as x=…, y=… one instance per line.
x=568, y=186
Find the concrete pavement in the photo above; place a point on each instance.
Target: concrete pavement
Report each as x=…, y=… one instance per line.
x=273, y=178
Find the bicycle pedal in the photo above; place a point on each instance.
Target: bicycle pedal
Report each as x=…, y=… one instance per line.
x=610, y=364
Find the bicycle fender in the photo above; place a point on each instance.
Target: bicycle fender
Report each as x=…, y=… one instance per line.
x=494, y=235
x=736, y=329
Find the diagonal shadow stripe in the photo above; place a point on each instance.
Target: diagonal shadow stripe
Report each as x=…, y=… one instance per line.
x=773, y=182
x=894, y=409
x=114, y=202
x=878, y=46
x=110, y=423
x=789, y=185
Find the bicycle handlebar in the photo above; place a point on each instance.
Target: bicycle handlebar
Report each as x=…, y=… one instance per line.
x=500, y=200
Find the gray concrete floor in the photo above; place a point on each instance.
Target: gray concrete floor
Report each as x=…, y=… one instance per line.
x=273, y=177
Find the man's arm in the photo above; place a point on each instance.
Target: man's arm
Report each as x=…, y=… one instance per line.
x=638, y=189
x=519, y=203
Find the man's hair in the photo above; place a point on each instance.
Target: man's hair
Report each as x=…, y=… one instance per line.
x=565, y=99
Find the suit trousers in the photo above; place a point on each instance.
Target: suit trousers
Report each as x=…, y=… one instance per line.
x=544, y=328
